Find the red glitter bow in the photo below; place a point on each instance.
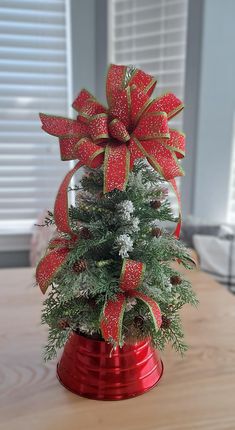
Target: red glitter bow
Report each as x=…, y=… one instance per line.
x=133, y=126
x=130, y=280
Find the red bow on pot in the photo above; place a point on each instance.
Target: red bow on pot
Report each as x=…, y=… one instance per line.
x=133, y=126
x=130, y=280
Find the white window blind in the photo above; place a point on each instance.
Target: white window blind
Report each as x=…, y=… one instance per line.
x=33, y=78
x=151, y=35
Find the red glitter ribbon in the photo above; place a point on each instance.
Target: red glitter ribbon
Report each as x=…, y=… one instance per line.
x=54, y=260
x=130, y=280
x=61, y=207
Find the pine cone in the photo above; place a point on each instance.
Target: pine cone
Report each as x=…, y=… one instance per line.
x=85, y=233
x=170, y=307
x=155, y=204
x=156, y=232
x=175, y=280
x=138, y=322
x=80, y=266
x=166, y=322
x=92, y=303
x=63, y=324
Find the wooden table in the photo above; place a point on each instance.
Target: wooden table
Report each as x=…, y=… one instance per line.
x=197, y=392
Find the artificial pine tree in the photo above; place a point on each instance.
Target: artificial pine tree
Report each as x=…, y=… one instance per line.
x=112, y=227
x=132, y=223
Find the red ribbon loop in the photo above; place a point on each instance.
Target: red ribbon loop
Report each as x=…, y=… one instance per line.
x=152, y=126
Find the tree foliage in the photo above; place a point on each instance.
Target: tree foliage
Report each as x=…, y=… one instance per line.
x=111, y=227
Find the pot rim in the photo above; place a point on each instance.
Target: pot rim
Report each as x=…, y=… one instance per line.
x=102, y=341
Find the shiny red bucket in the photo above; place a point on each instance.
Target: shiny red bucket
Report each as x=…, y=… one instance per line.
x=89, y=368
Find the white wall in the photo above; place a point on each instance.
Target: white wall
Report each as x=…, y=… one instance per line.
x=209, y=170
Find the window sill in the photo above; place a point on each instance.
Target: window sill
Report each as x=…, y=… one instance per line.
x=15, y=235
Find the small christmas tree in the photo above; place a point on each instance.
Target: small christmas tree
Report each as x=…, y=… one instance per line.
x=109, y=268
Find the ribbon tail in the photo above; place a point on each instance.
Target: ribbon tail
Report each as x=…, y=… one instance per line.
x=116, y=167
x=61, y=209
x=111, y=320
x=154, y=309
x=178, y=226
x=61, y=126
x=49, y=265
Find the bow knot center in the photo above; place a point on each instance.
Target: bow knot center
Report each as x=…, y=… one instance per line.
x=118, y=131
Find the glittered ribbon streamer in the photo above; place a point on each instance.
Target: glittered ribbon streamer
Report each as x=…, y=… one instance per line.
x=178, y=225
x=53, y=261
x=61, y=207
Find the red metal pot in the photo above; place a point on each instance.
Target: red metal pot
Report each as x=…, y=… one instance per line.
x=89, y=368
